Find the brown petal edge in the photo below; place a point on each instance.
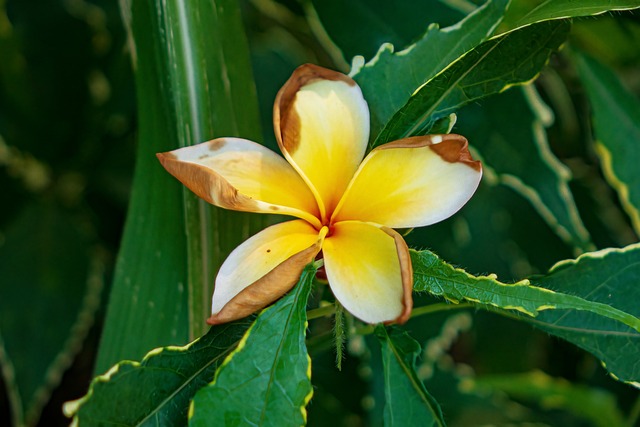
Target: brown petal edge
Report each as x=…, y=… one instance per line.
x=268, y=288
x=406, y=270
x=286, y=122
x=451, y=148
x=206, y=183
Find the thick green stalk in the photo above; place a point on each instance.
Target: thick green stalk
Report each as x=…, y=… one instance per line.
x=194, y=83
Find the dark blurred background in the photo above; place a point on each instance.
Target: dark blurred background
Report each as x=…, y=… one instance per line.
x=67, y=145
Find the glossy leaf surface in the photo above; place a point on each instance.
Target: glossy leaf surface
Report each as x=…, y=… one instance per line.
x=389, y=79
x=441, y=279
x=492, y=67
x=526, y=12
x=407, y=400
x=586, y=301
x=168, y=378
x=607, y=277
x=266, y=380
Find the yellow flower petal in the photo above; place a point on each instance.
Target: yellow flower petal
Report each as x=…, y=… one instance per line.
x=412, y=182
x=321, y=123
x=241, y=175
x=369, y=271
x=263, y=268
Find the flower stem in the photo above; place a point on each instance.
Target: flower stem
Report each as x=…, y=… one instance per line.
x=441, y=306
x=328, y=310
x=321, y=312
x=339, y=334
x=419, y=311
x=322, y=342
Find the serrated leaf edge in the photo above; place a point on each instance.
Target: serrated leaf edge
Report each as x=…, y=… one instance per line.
x=606, y=163
x=635, y=384
x=602, y=253
x=494, y=278
x=71, y=408
x=579, y=303
x=519, y=25
x=358, y=62
x=309, y=269
x=492, y=177
x=307, y=398
x=497, y=40
x=226, y=361
x=544, y=119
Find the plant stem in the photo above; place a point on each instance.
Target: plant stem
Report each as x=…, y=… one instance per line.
x=339, y=334
x=321, y=312
x=441, y=306
x=418, y=311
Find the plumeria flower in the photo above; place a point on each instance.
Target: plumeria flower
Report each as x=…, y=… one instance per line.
x=345, y=206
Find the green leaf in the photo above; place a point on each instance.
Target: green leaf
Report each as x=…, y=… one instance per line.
x=270, y=369
x=389, y=79
x=360, y=27
x=407, y=401
x=193, y=84
x=616, y=124
x=213, y=96
x=589, y=301
x=167, y=378
x=607, y=277
x=509, y=132
x=526, y=12
x=597, y=406
x=441, y=279
x=51, y=286
x=492, y=67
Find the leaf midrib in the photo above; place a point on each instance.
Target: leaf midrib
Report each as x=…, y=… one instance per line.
x=280, y=346
x=408, y=372
x=188, y=381
x=580, y=303
x=438, y=101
